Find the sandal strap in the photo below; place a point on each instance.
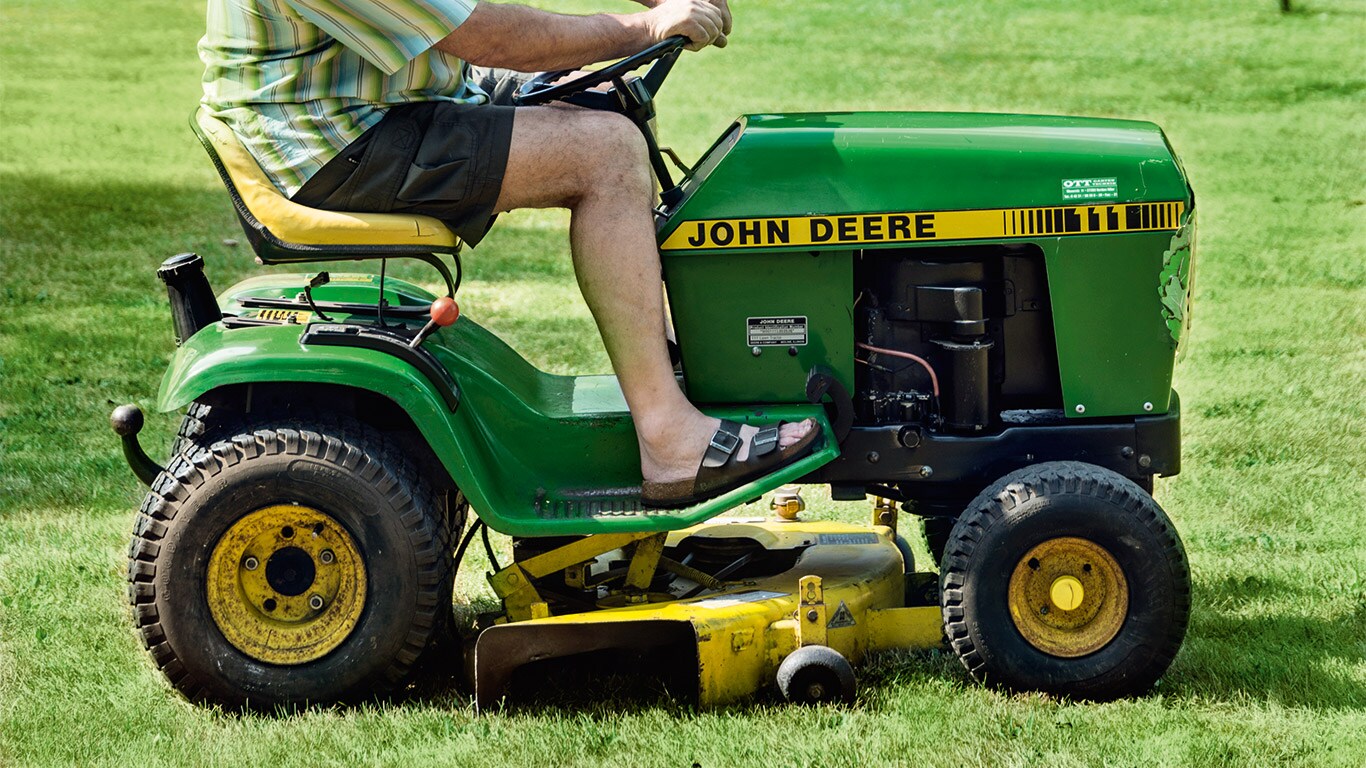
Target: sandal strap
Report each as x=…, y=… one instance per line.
x=765, y=442
x=723, y=444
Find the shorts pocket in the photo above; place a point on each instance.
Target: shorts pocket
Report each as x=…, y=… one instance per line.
x=441, y=173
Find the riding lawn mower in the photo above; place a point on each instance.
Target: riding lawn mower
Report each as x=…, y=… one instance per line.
x=981, y=313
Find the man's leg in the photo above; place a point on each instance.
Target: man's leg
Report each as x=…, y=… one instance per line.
x=595, y=164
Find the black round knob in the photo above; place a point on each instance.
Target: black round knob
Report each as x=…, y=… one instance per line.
x=126, y=420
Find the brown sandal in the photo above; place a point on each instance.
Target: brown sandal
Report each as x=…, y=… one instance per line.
x=721, y=471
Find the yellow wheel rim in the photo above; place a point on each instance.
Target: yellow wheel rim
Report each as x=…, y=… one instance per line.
x=286, y=584
x=1068, y=597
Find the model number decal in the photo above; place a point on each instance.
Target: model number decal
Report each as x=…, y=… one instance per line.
x=775, y=331
x=910, y=227
x=279, y=315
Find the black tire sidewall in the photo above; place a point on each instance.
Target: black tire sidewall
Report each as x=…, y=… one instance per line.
x=362, y=661
x=1157, y=582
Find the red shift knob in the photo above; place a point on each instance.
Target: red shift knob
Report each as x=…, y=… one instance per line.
x=445, y=311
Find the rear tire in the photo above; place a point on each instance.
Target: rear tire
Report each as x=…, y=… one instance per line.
x=1065, y=578
x=229, y=539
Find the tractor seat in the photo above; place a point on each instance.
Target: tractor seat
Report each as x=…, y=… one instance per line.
x=282, y=231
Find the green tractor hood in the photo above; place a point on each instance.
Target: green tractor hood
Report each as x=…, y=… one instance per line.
x=857, y=162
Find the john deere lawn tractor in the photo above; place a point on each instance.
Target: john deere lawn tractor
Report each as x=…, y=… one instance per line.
x=981, y=312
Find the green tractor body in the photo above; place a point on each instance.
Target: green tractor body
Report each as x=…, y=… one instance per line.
x=981, y=311
x=893, y=229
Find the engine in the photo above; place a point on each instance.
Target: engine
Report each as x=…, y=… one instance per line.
x=951, y=337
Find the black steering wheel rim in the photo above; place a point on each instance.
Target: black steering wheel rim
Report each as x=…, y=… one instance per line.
x=542, y=89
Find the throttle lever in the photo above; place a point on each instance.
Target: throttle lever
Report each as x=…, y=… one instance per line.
x=444, y=311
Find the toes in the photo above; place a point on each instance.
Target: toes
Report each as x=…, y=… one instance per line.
x=791, y=434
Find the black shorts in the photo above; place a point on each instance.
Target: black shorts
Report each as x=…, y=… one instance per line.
x=436, y=158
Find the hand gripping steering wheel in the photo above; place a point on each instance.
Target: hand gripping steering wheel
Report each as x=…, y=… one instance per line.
x=543, y=89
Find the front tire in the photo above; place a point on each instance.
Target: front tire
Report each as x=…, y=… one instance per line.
x=290, y=565
x=1065, y=578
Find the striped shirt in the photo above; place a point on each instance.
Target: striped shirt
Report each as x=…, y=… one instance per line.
x=299, y=80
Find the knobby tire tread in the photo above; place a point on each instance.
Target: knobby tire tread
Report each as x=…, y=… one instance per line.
x=344, y=443
x=1012, y=491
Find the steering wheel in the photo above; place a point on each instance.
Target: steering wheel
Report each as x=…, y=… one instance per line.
x=543, y=89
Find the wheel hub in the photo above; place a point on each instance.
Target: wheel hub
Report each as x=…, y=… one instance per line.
x=290, y=571
x=286, y=584
x=1068, y=597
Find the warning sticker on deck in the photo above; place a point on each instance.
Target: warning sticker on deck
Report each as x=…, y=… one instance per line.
x=1090, y=189
x=775, y=331
x=842, y=617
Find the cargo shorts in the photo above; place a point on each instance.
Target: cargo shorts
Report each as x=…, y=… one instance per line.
x=437, y=158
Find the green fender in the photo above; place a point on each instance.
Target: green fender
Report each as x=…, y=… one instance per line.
x=217, y=357
x=528, y=449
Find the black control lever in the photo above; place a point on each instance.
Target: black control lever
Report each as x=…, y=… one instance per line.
x=320, y=279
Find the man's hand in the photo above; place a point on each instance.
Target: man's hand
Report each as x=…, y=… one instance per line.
x=703, y=22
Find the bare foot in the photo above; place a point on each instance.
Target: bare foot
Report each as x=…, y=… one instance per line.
x=677, y=453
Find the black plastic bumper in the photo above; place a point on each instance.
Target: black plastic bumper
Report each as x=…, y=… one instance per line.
x=1136, y=448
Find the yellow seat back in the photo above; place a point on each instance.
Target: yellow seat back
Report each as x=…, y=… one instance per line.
x=284, y=231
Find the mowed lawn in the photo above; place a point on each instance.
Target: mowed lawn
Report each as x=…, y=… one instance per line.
x=100, y=179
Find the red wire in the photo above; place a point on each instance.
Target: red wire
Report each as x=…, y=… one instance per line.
x=934, y=380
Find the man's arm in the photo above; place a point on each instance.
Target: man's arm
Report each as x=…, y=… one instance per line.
x=531, y=40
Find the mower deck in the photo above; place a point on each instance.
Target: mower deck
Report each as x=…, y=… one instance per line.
x=846, y=590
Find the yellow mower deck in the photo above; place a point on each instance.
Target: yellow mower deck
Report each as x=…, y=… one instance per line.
x=847, y=591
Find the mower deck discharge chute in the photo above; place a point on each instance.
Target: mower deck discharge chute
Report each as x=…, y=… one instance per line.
x=981, y=312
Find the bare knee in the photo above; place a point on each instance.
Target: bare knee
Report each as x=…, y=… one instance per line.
x=615, y=158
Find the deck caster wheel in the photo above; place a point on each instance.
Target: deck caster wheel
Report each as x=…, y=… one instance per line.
x=290, y=565
x=1065, y=578
x=816, y=674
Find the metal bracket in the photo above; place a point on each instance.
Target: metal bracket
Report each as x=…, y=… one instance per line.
x=514, y=584
x=644, y=563
x=811, y=613
x=521, y=601
x=884, y=512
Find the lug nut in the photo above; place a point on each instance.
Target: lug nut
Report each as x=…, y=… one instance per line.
x=326, y=557
x=315, y=602
x=251, y=563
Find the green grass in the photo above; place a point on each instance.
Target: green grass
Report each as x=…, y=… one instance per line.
x=100, y=180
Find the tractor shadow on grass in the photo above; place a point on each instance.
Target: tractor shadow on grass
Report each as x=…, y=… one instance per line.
x=1244, y=645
